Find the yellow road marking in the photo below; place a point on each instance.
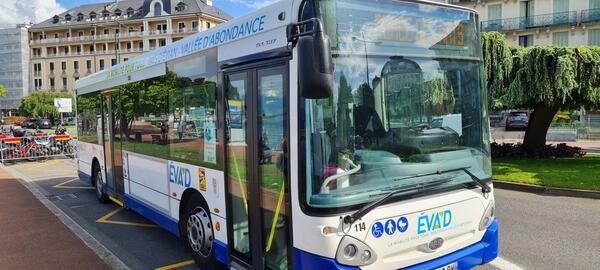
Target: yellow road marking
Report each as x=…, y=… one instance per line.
x=115, y=200
x=105, y=219
x=62, y=185
x=175, y=266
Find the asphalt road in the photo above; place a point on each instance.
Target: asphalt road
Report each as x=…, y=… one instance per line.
x=548, y=232
x=536, y=232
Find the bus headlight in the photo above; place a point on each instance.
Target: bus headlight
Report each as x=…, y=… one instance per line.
x=352, y=251
x=488, y=216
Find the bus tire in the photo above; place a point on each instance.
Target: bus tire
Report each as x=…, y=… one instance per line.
x=198, y=232
x=98, y=182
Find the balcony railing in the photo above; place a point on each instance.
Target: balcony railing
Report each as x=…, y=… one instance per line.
x=107, y=36
x=464, y=1
x=185, y=30
x=89, y=53
x=132, y=50
x=544, y=20
x=590, y=15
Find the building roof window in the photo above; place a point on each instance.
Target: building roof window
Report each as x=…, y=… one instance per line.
x=55, y=19
x=118, y=12
x=105, y=14
x=157, y=9
x=92, y=15
x=130, y=11
x=68, y=17
x=80, y=17
x=180, y=7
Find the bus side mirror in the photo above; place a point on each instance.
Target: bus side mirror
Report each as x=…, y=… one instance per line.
x=315, y=66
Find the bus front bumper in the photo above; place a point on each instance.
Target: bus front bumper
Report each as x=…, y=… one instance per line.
x=479, y=253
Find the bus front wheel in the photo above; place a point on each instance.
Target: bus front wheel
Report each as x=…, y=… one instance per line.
x=99, y=183
x=198, y=232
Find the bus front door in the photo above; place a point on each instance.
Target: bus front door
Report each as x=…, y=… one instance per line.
x=257, y=162
x=112, y=144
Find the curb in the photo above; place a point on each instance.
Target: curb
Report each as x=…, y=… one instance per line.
x=578, y=193
x=104, y=253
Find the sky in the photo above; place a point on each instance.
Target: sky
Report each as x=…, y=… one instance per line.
x=19, y=11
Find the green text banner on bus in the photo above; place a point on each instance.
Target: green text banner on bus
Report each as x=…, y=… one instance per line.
x=266, y=29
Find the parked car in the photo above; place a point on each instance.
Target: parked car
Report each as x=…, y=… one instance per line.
x=498, y=119
x=517, y=120
x=69, y=121
x=43, y=124
x=29, y=123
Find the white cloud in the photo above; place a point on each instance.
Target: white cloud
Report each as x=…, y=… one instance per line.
x=254, y=4
x=20, y=11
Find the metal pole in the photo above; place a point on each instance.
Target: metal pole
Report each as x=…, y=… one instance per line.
x=94, y=44
x=366, y=56
x=117, y=41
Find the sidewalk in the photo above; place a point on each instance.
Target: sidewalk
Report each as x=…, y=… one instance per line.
x=32, y=237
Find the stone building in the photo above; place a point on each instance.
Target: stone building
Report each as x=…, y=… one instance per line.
x=90, y=38
x=540, y=22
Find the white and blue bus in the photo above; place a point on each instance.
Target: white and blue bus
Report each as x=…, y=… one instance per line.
x=311, y=134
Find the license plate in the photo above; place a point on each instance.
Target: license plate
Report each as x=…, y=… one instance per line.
x=452, y=266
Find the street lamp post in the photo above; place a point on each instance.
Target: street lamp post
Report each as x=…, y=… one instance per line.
x=94, y=25
x=117, y=40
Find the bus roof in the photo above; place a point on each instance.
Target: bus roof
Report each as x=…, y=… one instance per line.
x=257, y=27
x=253, y=24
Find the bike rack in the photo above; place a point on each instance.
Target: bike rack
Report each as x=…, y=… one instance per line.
x=38, y=146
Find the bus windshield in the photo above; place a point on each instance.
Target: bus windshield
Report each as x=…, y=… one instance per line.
x=408, y=101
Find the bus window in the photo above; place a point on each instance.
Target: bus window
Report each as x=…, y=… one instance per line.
x=193, y=110
x=144, y=105
x=88, y=115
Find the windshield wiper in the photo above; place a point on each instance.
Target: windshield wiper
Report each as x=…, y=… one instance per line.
x=484, y=187
x=349, y=219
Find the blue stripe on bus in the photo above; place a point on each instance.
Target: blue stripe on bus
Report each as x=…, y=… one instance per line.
x=167, y=222
x=85, y=177
x=170, y=224
x=479, y=253
x=308, y=261
x=221, y=252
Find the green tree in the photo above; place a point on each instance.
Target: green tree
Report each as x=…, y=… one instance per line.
x=2, y=91
x=344, y=118
x=438, y=96
x=41, y=104
x=148, y=97
x=542, y=78
x=498, y=64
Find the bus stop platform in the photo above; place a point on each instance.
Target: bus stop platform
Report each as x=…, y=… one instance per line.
x=32, y=237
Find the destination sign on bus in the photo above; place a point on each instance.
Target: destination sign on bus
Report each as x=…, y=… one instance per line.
x=196, y=43
x=419, y=30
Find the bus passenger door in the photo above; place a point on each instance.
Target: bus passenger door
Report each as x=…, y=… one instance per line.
x=112, y=144
x=257, y=161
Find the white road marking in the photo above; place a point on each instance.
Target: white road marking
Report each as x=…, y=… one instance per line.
x=505, y=265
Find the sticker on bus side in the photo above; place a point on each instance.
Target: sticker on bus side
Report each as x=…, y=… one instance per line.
x=210, y=183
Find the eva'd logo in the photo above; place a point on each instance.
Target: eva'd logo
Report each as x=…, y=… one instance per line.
x=434, y=221
x=180, y=175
